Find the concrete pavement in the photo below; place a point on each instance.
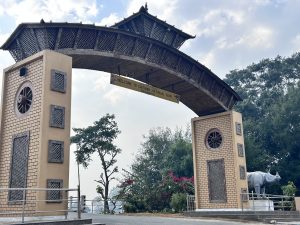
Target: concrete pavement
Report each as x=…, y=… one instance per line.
x=158, y=220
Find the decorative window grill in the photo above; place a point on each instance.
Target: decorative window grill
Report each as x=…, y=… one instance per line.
x=240, y=149
x=216, y=180
x=214, y=139
x=55, y=151
x=58, y=81
x=54, y=196
x=244, y=193
x=18, y=168
x=238, y=128
x=242, y=173
x=57, y=116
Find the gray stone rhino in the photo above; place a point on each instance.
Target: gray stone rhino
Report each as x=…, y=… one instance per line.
x=257, y=180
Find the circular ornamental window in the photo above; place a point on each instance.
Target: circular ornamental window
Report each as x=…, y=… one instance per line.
x=24, y=98
x=214, y=139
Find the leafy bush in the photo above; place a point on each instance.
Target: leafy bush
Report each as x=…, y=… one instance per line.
x=178, y=202
x=129, y=208
x=289, y=189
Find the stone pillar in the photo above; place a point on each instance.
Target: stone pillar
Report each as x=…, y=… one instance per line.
x=219, y=162
x=35, y=131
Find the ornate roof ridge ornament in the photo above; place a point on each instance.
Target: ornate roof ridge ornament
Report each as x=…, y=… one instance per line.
x=145, y=24
x=144, y=8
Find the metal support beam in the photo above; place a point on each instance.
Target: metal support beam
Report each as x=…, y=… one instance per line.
x=57, y=40
x=191, y=71
x=162, y=56
x=133, y=26
x=201, y=77
x=148, y=51
x=116, y=42
x=177, y=64
x=176, y=36
x=97, y=40
x=133, y=47
x=38, y=47
x=77, y=38
x=152, y=29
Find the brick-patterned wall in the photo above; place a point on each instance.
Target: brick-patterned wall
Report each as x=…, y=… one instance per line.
x=224, y=122
x=12, y=125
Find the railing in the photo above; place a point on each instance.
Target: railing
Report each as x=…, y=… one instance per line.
x=267, y=202
x=250, y=202
x=95, y=206
x=29, y=202
x=190, y=203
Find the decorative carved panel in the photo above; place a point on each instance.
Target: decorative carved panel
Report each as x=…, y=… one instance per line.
x=18, y=168
x=238, y=128
x=54, y=196
x=55, y=151
x=242, y=173
x=58, y=81
x=244, y=193
x=240, y=149
x=216, y=180
x=57, y=116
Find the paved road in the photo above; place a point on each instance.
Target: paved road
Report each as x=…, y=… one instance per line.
x=156, y=220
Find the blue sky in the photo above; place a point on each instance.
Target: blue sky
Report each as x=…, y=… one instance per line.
x=230, y=35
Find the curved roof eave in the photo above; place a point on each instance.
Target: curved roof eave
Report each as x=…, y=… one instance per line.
x=184, y=72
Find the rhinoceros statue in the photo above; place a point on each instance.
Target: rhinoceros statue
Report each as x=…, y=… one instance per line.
x=257, y=180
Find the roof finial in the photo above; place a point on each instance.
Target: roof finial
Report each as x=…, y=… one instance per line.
x=144, y=8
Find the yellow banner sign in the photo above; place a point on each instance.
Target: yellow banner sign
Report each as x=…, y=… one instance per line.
x=144, y=88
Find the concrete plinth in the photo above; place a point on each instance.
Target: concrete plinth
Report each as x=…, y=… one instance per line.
x=262, y=205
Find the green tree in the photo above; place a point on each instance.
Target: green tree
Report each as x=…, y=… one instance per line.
x=98, y=139
x=270, y=108
x=151, y=185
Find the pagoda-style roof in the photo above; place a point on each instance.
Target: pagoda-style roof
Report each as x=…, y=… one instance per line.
x=132, y=54
x=145, y=24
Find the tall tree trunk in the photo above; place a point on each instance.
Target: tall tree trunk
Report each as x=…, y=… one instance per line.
x=106, y=207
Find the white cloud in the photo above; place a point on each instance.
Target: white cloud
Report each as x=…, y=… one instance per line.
x=262, y=2
x=296, y=42
x=5, y=61
x=214, y=23
x=208, y=59
x=110, y=20
x=102, y=82
x=267, y=2
x=115, y=95
x=3, y=38
x=163, y=9
x=260, y=37
x=1, y=10
x=232, y=16
x=56, y=10
x=192, y=26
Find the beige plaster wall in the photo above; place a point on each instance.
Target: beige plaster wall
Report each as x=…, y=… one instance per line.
x=53, y=60
x=297, y=202
x=225, y=122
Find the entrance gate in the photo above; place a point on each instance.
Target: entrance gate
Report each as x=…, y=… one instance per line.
x=35, y=112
